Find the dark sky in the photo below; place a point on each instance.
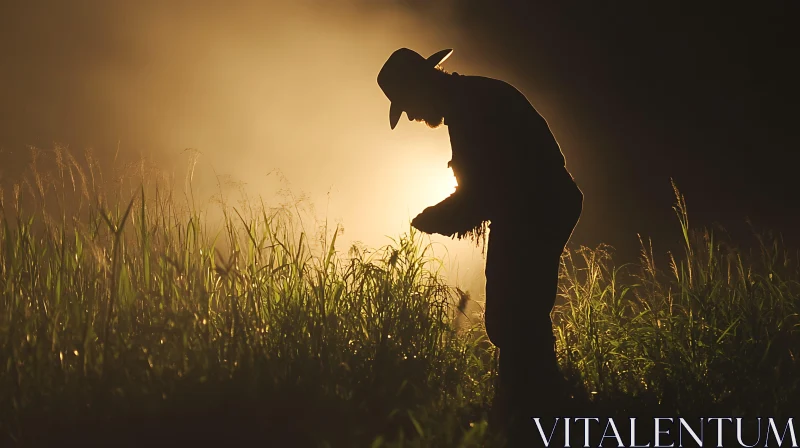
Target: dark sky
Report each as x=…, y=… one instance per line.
x=636, y=92
x=705, y=93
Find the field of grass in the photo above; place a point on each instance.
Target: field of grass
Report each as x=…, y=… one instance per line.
x=127, y=319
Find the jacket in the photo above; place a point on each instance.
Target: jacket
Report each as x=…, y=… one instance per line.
x=506, y=160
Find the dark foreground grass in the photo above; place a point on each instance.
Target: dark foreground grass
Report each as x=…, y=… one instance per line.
x=127, y=320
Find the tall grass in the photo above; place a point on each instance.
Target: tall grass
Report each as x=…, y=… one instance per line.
x=135, y=307
x=716, y=333
x=127, y=318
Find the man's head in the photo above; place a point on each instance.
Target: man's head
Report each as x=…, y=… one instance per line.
x=409, y=81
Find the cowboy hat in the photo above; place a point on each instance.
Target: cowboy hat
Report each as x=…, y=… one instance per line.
x=400, y=71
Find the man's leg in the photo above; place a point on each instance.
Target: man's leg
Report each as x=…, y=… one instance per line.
x=529, y=366
x=521, y=290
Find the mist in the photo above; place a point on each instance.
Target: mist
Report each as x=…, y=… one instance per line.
x=278, y=96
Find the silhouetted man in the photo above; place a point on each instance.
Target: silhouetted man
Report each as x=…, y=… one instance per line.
x=510, y=172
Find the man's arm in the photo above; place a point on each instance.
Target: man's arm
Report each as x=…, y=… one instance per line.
x=457, y=215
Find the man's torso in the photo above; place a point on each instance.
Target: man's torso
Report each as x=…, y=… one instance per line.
x=503, y=150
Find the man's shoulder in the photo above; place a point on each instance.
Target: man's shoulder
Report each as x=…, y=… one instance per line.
x=480, y=95
x=491, y=92
x=484, y=84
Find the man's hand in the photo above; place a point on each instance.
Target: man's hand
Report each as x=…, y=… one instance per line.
x=428, y=222
x=458, y=213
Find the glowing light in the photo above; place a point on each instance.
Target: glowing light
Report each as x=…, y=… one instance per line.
x=431, y=186
x=442, y=185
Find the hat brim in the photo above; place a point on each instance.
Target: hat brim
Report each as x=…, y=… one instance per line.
x=395, y=112
x=439, y=57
